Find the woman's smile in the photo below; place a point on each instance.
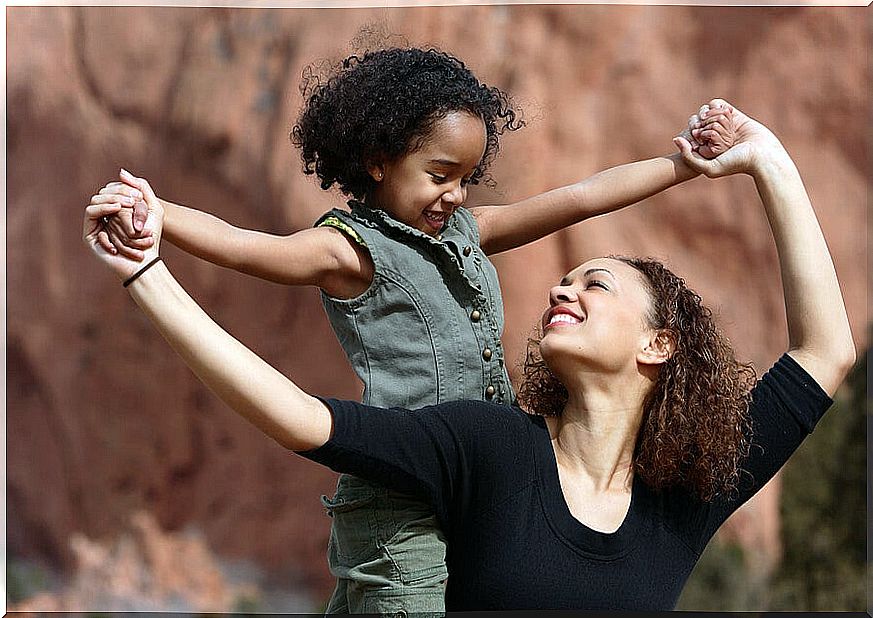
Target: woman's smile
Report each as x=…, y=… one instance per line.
x=561, y=316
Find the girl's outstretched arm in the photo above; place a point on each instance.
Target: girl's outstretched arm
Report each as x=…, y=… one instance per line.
x=818, y=328
x=509, y=226
x=322, y=257
x=249, y=385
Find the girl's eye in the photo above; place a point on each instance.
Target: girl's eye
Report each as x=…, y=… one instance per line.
x=596, y=283
x=437, y=177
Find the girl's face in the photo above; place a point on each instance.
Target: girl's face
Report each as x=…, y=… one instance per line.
x=423, y=188
x=597, y=320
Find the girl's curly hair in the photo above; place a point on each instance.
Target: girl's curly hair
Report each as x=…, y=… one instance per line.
x=385, y=103
x=696, y=428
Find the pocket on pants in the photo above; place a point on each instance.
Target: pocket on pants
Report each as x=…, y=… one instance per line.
x=416, y=602
x=354, y=527
x=417, y=548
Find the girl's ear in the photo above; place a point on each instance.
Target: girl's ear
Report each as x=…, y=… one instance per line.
x=376, y=169
x=658, y=349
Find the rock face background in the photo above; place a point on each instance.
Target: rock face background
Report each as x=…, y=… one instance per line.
x=110, y=437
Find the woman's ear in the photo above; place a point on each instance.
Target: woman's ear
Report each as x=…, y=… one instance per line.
x=376, y=169
x=658, y=349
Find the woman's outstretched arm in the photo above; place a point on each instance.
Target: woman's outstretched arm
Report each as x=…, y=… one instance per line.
x=237, y=375
x=249, y=385
x=818, y=328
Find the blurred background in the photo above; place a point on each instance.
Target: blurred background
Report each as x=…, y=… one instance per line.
x=131, y=487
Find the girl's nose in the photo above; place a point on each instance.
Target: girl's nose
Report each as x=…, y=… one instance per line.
x=456, y=196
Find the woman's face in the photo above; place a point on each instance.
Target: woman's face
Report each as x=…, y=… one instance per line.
x=597, y=320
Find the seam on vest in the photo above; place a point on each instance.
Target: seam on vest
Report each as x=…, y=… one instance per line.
x=368, y=382
x=427, y=325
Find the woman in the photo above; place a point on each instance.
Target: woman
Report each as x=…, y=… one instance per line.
x=652, y=438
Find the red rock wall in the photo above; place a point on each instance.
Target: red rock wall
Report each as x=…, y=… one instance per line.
x=103, y=420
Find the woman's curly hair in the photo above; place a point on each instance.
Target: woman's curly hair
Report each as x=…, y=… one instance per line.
x=384, y=104
x=696, y=428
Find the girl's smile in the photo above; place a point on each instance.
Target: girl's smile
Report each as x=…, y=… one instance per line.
x=424, y=187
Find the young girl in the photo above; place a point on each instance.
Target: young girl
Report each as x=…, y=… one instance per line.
x=404, y=275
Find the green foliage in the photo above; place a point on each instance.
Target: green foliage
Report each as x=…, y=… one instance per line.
x=824, y=510
x=24, y=579
x=722, y=582
x=246, y=604
x=824, y=525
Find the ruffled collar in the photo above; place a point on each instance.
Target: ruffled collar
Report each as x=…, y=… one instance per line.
x=377, y=216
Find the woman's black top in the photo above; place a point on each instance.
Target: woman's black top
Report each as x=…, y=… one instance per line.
x=490, y=472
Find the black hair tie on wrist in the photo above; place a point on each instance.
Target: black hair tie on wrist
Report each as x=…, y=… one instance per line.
x=135, y=275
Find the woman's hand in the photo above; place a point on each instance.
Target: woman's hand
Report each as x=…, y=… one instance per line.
x=753, y=143
x=819, y=336
x=124, y=232
x=101, y=219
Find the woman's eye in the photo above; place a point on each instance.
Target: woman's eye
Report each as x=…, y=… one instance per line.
x=437, y=177
x=598, y=284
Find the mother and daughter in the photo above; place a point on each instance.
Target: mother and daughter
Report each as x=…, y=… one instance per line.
x=641, y=432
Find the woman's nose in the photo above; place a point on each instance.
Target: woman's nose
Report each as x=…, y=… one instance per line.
x=561, y=294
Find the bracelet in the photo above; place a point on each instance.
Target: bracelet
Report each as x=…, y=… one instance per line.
x=135, y=275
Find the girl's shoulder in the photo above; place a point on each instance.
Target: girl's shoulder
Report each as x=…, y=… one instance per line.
x=336, y=219
x=348, y=265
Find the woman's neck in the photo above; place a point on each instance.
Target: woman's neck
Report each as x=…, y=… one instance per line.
x=595, y=436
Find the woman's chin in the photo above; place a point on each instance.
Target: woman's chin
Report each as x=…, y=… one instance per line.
x=558, y=352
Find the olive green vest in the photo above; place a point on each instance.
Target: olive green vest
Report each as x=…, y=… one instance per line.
x=428, y=328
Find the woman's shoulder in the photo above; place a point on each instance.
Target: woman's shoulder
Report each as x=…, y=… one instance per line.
x=475, y=408
x=477, y=427
x=788, y=387
x=499, y=440
x=484, y=410
x=476, y=420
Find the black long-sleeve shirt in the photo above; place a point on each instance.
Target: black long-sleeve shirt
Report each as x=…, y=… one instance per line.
x=490, y=472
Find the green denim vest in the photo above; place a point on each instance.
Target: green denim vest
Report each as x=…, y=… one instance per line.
x=428, y=328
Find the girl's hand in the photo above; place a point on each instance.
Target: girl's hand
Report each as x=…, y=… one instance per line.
x=140, y=210
x=713, y=128
x=753, y=143
x=692, y=124
x=124, y=231
x=97, y=222
x=123, y=239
